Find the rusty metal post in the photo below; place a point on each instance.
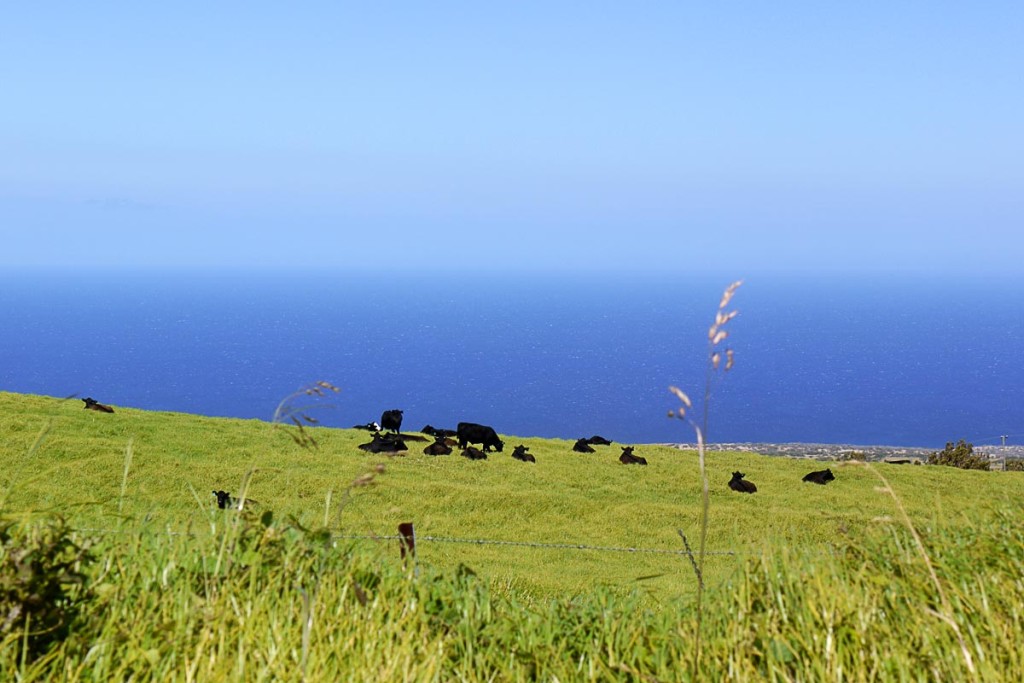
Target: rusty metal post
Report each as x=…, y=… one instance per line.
x=407, y=542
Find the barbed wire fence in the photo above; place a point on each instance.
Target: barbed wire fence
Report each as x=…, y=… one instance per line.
x=402, y=538
x=408, y=539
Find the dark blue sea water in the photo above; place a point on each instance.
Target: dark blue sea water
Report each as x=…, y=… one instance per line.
x=860, y=360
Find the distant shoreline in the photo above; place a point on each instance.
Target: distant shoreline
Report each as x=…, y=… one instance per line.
x=828, y=451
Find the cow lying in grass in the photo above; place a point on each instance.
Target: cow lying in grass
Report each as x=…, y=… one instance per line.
x=435, y=432
x=390, y=443
x=820, y=477
x=473, y=453
x=582, y=446
x=738, y=483
x=226, y=501
x=627, y=457
x=91, y=404
x=520, y=454
x=439, y=447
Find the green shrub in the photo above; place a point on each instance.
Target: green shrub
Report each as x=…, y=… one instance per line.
x=1015, y=465
x=961, y=455
x=42, y=587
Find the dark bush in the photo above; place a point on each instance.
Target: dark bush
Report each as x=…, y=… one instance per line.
x=960, y=455
x=1014, y=465
x=42, y=587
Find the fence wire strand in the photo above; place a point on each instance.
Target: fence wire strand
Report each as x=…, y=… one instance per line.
x=473, y=541
x=534, y=544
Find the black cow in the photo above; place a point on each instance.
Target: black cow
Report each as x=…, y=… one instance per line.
x=388, y=443
x=369, y=426
x=598, y=441
x=439, y=447
x=372, y=446
x=91, y=404
x=433, y=431
x=738, y=483
x=627, y=457
x=582, y=446
x=224, y=499
x=473, y=453
x=820, y=477
x=391, y=420
x=412, y=437
x=470, y=432
x=519, y=453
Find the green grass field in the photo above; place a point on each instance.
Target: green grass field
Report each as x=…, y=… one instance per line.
x=788, y=539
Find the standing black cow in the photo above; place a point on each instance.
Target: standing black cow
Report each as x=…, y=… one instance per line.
x=582, y=446
x=820, y=477
x=738, y=483
x=627, y=457
x=391, y=420
x=470, y=432
x=519, y=453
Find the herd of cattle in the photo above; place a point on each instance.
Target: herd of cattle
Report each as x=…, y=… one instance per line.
x=466, y=433
x=388, y=438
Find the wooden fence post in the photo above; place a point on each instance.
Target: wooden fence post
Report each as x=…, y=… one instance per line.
x=407, y=542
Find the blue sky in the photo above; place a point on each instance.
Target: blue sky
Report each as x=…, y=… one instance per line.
x=448, y=137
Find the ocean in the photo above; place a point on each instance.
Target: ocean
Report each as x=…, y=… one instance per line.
x=856, y=359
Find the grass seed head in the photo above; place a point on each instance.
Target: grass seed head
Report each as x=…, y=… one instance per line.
x=681, y=395
x=727, y=295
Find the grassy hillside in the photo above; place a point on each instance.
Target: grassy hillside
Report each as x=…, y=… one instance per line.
x=826, y=583
x=566, y=497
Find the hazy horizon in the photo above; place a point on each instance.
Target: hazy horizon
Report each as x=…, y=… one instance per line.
x=541, y=137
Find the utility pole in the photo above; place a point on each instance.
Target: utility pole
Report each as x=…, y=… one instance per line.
x=1003, y=437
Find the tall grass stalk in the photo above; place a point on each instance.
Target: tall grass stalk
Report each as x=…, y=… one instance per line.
x=716, y=335
x=293, y=412
x=327, y=508
x=947, y=610
x=128, y=451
